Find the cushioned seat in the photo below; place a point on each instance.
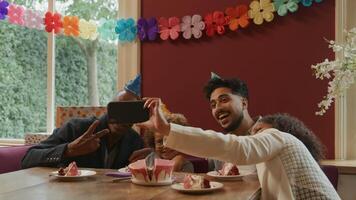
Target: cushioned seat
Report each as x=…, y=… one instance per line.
x=11, y=158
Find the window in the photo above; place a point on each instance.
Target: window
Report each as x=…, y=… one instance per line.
x=27, y=68
x=345, y=112
x=22, y=78
x=86, y=70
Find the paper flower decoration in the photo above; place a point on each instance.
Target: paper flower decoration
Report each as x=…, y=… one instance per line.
x=169, y=28
x=215, y=22
x=308, y=3
x=147, y=29
x=261, y=10
x=192, y=25
x=106, y=29
x=237, y=17
x=3, y=9
x=71, y=26
x=53, y=22
x=16, y=14
x=126, y=29
x=33, y=20
x=88, y=29
x=283, y=6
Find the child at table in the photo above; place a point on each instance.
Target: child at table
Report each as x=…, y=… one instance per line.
x=285, y=167
x=155, y=140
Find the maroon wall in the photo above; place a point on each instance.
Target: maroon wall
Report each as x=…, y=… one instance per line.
x=274, y=59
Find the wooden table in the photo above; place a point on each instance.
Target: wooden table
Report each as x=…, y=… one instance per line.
x=35, y=183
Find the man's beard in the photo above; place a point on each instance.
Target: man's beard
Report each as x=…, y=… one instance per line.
x=235, y=124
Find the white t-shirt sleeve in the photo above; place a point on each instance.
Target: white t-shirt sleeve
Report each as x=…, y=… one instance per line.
x=242, y=150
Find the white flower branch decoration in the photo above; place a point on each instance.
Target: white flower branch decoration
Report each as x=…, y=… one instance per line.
x=342, y=72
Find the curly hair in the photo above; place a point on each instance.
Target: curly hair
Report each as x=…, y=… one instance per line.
x=289, y=124
x=236, y=85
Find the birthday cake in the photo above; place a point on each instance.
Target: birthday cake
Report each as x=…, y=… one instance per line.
x=161, y=172
x=229, y=169
x=195, y=182
x=71, y=170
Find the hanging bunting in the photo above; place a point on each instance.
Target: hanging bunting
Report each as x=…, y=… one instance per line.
x=126, y=30
x=147, y=29
x=88, y=29
x=308, y=3
x=192, y=25
x=260, y=11
x=106, y=29
x=169, y=28
x=53, y=22
x=215, y=23
x=71, y=26
x=33, y=20
x=3, y=9
x=283, y=6
x=16, y=14
x=237, y=17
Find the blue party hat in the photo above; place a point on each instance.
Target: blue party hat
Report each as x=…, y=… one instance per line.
x=214, y=76
x=134, y=86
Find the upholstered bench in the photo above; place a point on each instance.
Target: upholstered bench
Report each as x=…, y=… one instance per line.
x=11, y=158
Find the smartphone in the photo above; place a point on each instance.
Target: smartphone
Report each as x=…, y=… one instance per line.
x=127, y=112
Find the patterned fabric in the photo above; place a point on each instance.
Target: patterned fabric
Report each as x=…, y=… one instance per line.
x=35, y=138
x=65, y=113
x=303, y=176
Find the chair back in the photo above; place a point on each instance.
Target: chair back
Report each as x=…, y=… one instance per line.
x=64, y=113
x=332, y=173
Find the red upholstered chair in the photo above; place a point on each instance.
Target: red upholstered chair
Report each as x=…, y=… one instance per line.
x=11, y=158
x=332, y=173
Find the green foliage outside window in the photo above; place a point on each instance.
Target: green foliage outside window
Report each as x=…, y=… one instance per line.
x=23, y=77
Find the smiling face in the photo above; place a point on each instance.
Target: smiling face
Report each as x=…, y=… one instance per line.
x=227, y=108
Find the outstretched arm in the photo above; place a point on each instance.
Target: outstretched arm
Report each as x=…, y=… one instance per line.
x=195, y=141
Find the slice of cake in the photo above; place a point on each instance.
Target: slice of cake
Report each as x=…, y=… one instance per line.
x=71, y=170
x=162, y=171
x=195, y=182
x=229, y=169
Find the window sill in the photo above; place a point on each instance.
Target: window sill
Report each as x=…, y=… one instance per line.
x=344, y=166
x=11, y=142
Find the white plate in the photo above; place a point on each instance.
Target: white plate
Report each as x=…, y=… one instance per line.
x=83, y=174
x=213, y=186
x=138, y=182
x=216, y=175
x=124, y=170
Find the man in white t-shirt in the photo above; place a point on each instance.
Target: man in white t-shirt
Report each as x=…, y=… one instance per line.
x=229, y=106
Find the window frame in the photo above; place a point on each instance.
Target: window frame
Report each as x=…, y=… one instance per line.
x=128, y=56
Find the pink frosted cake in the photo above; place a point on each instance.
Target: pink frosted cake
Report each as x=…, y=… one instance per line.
x=162, y=171
x=229, y=169
x=71, y=170
x=195, y=182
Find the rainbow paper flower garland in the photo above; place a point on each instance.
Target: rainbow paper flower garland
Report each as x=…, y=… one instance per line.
x=171, y=28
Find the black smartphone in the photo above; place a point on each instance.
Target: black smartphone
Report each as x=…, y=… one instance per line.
x=127, y=112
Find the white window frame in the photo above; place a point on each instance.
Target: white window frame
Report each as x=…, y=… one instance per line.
x=345, y=107
x=128, y=64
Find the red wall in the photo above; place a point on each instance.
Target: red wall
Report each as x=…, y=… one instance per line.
x=274, y=59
